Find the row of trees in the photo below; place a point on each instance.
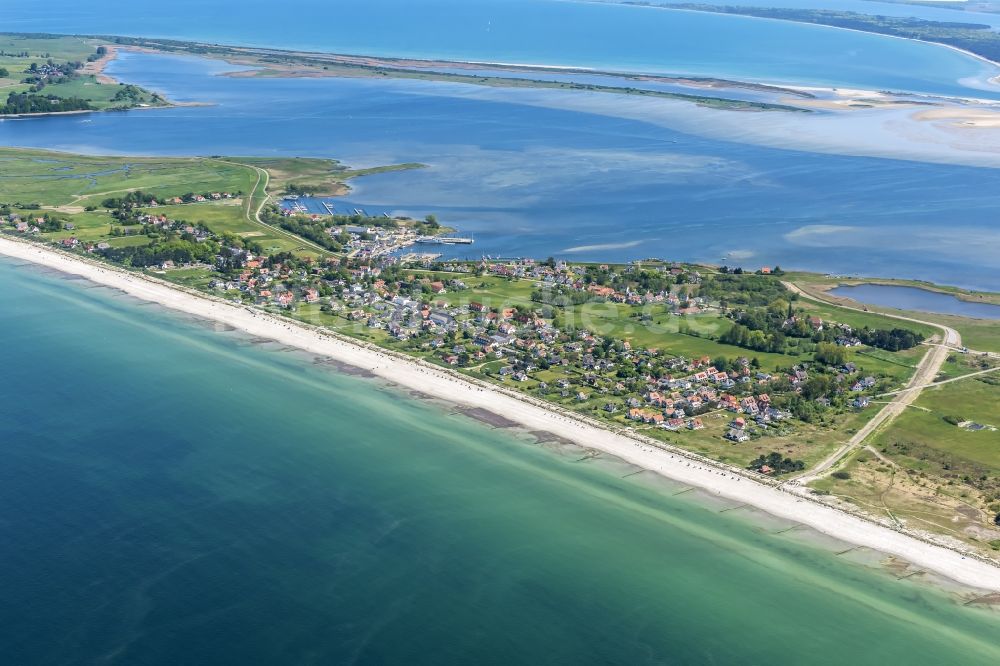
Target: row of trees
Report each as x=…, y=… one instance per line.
x=306, y=228
x=176, y=250
x=129, y=200
x=777, y=463
x=742, y=289
x=741, y=336
x=896, y=339
x=99, y=53
x=29, y=103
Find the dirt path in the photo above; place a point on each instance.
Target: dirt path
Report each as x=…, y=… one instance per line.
x=933, y=384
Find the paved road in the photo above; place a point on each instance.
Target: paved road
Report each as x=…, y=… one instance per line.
x=927, y=370
x=254, y=215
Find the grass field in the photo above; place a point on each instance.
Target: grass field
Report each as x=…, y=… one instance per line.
x=916, y=499
x=934, y=474
x=71, y=181
x=66, y=184
x=42, y=47
x=960, y=365
x=321, y=177
x=924, y=433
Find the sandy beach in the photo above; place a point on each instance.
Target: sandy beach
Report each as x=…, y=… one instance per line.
x=720, y=481
x=96, y=68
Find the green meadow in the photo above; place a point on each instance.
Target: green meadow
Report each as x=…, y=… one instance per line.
x=67, y=185
x=19, y=52
x=70, y=181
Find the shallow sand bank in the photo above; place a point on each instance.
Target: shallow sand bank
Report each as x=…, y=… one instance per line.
x=963, y=116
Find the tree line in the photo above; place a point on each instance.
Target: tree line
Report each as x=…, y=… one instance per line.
x=18, y=103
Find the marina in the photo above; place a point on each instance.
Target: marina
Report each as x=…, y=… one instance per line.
x=368, y=238
x=330, y=206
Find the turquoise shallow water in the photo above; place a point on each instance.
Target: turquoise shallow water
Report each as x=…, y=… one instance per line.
x=170, y=493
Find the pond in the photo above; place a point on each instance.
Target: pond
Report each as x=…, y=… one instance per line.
x=914, y=298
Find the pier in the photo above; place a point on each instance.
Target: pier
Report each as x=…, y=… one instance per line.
x=443, y=240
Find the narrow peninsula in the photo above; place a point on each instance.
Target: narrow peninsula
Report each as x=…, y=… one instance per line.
x=853, y=419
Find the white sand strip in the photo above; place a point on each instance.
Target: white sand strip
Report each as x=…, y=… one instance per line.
x=674, y=464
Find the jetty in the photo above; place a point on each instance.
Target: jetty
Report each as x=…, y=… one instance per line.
x=443, y=240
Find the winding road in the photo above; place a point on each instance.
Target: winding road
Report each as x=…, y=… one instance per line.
x=927, y=370
x=254, y=215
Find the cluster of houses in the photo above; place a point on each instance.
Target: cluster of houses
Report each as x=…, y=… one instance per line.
x=370, y=242
x=615, y=286
x=148, y=220
x=49, y=70
x=844, y=333
x=516, y=344
x=360, y=241
x=679, y=401
x=191, y=198
x=520, y=345
x=262, y=281
x=198, y=233
x=34, y=227
x=25, y=226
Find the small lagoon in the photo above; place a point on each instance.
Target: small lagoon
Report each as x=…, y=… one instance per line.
x=914, y=298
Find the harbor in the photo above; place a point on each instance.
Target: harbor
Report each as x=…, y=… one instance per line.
x=369, y=236
x=306, y=205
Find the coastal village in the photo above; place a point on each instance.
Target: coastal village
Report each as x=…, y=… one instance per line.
x=726, y=362
x=454, y=313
